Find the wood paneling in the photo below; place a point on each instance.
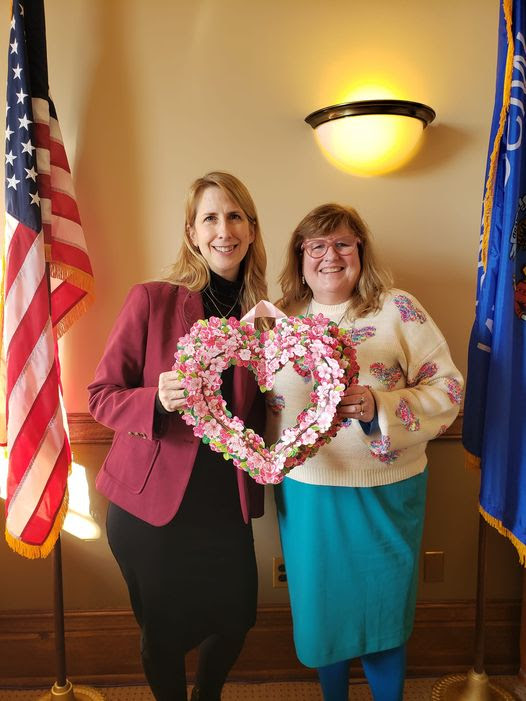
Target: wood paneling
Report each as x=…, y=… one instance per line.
x=84, y=429
x=102, y=646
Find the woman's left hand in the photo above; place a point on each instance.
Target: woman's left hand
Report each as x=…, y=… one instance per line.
x=357, y=402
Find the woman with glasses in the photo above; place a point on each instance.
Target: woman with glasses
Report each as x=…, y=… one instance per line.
x=351, y=517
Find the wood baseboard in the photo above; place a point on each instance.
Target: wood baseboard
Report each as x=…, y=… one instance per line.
x=102, y=647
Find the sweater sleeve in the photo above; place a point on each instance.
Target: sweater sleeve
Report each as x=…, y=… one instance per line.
x=117, y=396
x=430, y=400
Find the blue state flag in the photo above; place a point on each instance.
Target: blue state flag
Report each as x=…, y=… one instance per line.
x=494, y=432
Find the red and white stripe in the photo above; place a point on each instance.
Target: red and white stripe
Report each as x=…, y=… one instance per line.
x=36, y=441
x=72, y=286
x=40, y=303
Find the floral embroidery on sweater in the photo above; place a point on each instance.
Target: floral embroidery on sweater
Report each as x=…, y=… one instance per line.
x=407, y=309
x=454, y=390
x=276, y=403
x=386, y=451
x=387, y=376
x=426, y=372
x=380, y=449
x=407, y=417
x=361, y=335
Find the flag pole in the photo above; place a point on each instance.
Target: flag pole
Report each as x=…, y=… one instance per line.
x=63, y=688
x=38, y=183
x=475, y=685
x=60, y=644
x=496, y=382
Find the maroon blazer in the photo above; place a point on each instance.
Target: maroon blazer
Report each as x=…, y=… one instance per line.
x=152, y=456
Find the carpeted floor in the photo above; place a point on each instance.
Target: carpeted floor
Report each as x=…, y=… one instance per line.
x=415, y=690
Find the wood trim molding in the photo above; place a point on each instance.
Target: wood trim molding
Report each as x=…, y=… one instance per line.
x=454, y=432
x=102, y=647
x=84, y=429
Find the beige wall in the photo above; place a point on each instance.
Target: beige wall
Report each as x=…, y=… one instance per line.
x=152, y=93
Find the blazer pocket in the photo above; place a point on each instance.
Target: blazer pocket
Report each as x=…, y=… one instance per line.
x=130, y=460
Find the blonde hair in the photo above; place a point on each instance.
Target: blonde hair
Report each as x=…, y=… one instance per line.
x=374, y=280
x=191, y=269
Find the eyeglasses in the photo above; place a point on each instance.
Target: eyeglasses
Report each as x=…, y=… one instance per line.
x=317, y=248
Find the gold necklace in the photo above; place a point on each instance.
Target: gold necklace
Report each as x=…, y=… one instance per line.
x=213, y=299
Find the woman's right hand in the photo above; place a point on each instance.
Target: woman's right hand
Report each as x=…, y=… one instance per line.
x=171, y=392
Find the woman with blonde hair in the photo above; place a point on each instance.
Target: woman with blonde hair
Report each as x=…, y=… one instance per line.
x=351, y=517
x=179, y=519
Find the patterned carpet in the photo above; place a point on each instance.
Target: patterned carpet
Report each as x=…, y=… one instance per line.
x=415, y=690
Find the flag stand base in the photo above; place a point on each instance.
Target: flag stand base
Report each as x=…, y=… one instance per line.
x=468, y=687
x=71, y=693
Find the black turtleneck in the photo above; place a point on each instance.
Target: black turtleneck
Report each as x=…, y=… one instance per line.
x=222, y=297
x=212, y=493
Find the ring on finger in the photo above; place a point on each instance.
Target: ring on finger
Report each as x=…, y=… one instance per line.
x=362, y=399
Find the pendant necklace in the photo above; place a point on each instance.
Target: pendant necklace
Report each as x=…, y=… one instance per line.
x=215, y=302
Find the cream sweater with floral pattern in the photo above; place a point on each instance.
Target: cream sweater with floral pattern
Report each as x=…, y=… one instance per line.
x=405, y=361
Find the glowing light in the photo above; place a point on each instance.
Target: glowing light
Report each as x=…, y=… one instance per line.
x=370, y=144
x=368, y=90
x=370, y=137
x=82, y=526
x=78, y=521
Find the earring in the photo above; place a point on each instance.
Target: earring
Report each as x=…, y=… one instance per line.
x=302, y=279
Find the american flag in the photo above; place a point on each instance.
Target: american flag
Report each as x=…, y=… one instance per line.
x=47, y=285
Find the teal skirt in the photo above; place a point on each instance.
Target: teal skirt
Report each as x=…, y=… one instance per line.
x=351, y=557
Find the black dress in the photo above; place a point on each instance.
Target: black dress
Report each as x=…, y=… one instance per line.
x=196, y=576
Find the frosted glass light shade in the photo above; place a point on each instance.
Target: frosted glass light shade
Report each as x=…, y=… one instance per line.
x=370, y=137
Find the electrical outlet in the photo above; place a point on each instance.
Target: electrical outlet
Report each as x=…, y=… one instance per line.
x=434, y=566
x=279, y=576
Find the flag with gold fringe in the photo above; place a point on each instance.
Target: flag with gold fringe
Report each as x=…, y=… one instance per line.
x=47, y=284
x=494, y=432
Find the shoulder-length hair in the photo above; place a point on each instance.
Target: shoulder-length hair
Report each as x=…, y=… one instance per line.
x=373, y=281
x=191, y=269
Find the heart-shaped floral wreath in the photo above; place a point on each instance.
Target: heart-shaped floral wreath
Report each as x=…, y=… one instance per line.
x=315, y=345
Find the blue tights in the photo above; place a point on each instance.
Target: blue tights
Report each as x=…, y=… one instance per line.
x=385, y=672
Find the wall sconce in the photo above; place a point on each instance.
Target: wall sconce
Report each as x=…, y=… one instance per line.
x=370, y=137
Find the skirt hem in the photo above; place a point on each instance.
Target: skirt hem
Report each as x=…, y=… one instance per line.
x=352, y=653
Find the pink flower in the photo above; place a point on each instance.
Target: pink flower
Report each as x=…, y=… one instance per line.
x=309, y=437
x=315, y=346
